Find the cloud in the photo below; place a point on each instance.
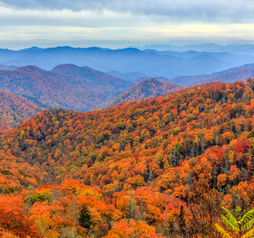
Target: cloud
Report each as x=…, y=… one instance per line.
x=84, y=18
x=172, y=10
x=123, y=22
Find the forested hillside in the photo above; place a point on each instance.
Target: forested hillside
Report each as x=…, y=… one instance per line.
x=67, y=86
x=14, y=110
x=148, y=88
x=159, y=167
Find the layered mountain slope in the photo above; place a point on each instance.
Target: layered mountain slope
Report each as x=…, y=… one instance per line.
x=67, y=86
x=15, y=110
x=146, y=62
x=152, y=168
x=231, y=75
x=148, y=88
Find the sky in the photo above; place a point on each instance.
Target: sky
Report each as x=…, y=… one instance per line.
x=124, y=23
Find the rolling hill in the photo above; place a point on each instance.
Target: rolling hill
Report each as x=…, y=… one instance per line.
x=15, y=110
x=241, y=73
x=141, y=169
x=147, y=88
x=67, y=86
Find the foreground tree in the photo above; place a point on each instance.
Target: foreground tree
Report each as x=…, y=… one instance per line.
x=239, y=225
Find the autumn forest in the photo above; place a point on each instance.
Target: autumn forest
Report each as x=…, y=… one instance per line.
x=159, y=167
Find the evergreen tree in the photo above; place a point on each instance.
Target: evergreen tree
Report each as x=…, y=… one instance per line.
x=85, y=217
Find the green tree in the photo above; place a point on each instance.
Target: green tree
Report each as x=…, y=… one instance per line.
x=85, y=217
x=238, y=224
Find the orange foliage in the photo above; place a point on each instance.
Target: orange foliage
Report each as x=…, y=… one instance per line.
x=155, y=167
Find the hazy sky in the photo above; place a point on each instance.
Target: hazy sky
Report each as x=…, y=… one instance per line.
x=120, y=23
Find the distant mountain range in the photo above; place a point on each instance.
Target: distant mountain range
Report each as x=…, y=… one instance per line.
x=148, y=88
x=150, y=63
x=83, y=88
x=15, y=109
x=78, y=88
x=67, y=86
x=241, y=73
x=209, y=47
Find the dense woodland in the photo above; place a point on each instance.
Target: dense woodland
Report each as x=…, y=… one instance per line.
x=147, y=88
x=15, y=109
x=159, y=167
x=68, y=86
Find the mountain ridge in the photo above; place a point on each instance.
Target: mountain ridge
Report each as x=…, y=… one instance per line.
x=240, y=73
x=78, y=88
x=147, y=88
x=127, y=60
